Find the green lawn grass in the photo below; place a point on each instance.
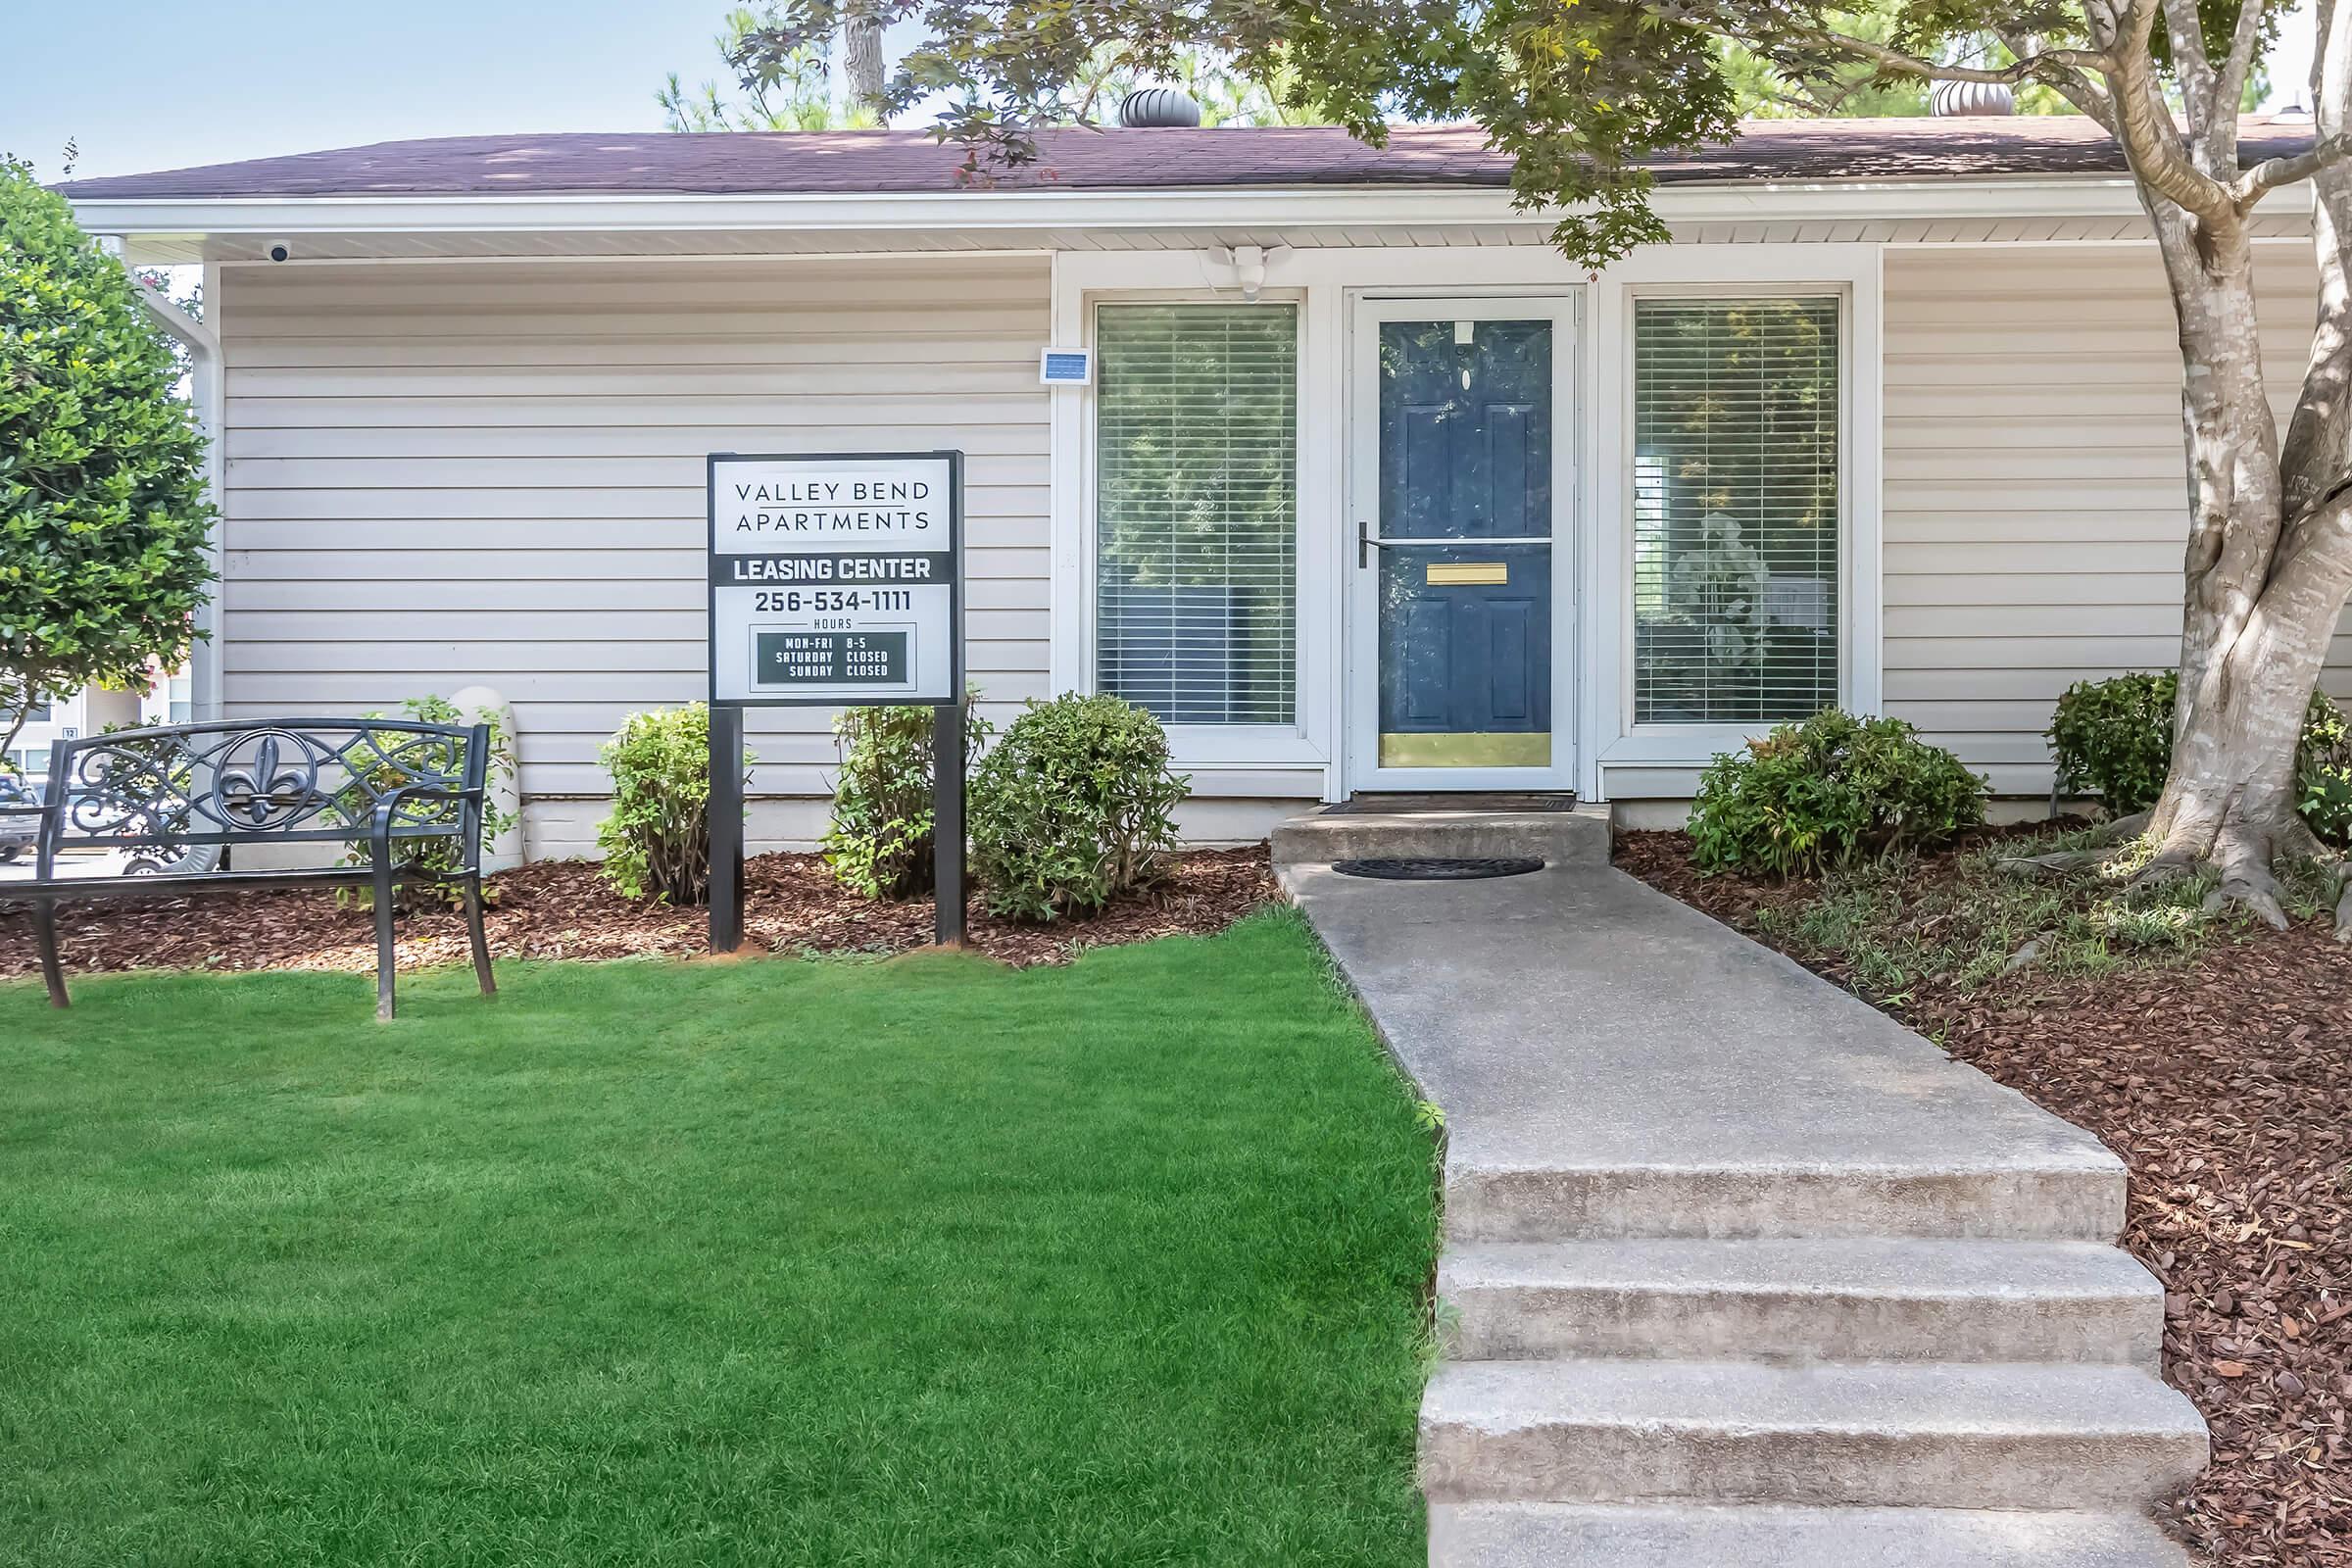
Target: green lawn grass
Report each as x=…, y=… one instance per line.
x=825, y=1262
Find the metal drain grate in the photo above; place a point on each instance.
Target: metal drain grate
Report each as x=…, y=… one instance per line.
x=1434, y=869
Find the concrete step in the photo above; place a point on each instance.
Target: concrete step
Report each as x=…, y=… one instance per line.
x=1935, y=1436
x=1577, y=837
x=1517, y=1535
x=1860, y=1299
x=2060, y=1191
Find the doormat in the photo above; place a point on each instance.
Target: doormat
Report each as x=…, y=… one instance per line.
x=1434, y=869
x=1407, y=804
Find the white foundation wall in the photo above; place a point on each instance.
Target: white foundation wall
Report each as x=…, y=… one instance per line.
x=2036, y=499
x=444, y=474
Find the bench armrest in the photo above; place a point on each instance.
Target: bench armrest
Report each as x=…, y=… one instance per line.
x=387, y=806
x=39, y=818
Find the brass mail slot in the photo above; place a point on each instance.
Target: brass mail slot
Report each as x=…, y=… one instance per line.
x=1467, y=574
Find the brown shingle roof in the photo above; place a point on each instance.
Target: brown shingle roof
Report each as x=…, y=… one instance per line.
x=857, y=162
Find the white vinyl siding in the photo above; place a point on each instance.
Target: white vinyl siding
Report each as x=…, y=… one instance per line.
x=2034, y=501
x=1195, y=511
x=455, y=473
x=1736, y=508
x=444, y=474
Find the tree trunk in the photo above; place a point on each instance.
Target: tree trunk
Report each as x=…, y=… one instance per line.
x=16, y=715
x=861, y=53
x=2232, y=795
x=2233, y=752
x=2262, y=589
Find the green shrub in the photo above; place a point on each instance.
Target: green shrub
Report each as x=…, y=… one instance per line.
x=436, y=855
x=2323, y=772
x=1072, y=808
x=880, y=841
x=2114, y=738
x=1813, y=796
x=102, y=516
x=657, y=842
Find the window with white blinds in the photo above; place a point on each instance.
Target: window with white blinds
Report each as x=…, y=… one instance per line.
x=1195, y=511
x=1735, y=509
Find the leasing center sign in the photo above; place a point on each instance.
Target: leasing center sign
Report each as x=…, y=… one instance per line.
x=835, y=581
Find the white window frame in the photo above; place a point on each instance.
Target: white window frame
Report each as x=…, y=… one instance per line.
x=1308, y=745
x=1848, y=273
x=1199, y=744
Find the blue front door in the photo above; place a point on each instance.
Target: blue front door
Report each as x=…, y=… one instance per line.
x=1465, y=543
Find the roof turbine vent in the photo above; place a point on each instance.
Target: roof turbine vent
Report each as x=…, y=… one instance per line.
x=1952, y=99
x=1160, y=107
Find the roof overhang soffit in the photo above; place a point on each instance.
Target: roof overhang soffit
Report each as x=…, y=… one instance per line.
x=1012, y=218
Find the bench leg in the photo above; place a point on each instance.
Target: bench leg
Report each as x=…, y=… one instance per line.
x=383, y=939
x=474, y=931
x=44, y=931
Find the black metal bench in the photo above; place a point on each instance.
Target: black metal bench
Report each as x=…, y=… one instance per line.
x=389, y=788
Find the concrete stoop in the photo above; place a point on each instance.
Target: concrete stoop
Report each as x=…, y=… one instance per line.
x=1576, y=837
x=1739, y=1273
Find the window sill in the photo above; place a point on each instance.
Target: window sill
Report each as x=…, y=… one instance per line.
x=1678, y=745
x=1214, y=746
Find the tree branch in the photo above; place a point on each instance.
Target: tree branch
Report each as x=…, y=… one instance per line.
x=2272, y=173
x=2315, y=456
x=18, y=711
x=2024, y=70
x=2331, y=69
x=2189, y=64
x=2230, y=85
x=2144, y=124
x=2076, y=86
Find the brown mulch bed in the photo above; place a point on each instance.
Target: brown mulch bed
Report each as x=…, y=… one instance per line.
x=2226, y=1084
x=562, y=910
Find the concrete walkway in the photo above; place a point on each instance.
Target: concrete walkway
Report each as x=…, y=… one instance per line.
x=1737, y=1270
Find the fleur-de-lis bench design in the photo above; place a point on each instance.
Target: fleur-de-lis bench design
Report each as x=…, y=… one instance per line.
x=403, y=798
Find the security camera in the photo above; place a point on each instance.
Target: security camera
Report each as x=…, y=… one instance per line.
x=278, y=251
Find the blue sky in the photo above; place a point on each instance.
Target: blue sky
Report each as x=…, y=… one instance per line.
x=143, y=85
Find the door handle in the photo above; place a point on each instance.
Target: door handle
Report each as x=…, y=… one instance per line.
x=1365, y=544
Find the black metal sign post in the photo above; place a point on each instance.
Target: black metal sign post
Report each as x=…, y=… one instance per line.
x=726, y=827
x=946, y=822
x=836, y=580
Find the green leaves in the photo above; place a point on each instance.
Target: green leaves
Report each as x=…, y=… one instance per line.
x=438, y=854
x=102, y=516
x=1836, y=789
x=2323, y=772
x=1579, y=93
x=880, y=842
x=2114, y=737
x=1072, y=808
x=657, y=842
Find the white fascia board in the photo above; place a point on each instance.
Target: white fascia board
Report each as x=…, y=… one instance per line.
x=179, y=322
x=1009, y=212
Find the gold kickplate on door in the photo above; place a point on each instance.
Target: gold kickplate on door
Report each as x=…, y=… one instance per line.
x=1491, y=749
x=1468, y=574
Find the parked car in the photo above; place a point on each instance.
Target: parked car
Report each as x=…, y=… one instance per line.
x=19, y=822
